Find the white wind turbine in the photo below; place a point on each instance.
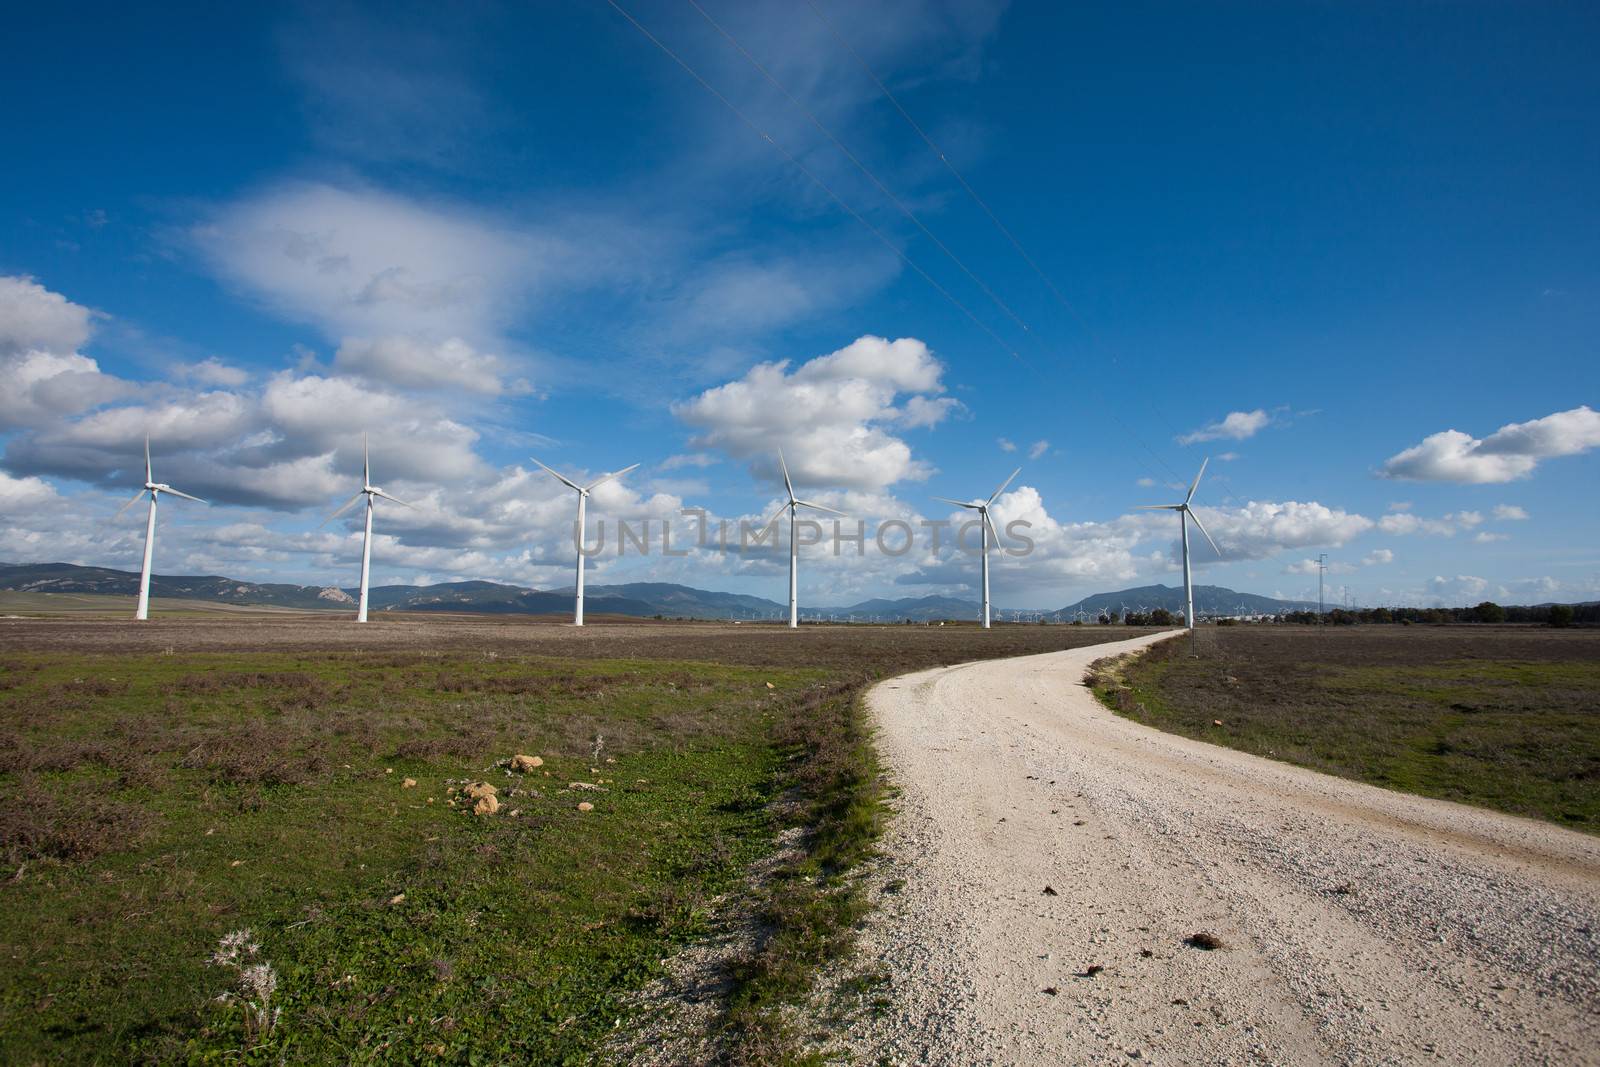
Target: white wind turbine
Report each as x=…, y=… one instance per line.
x=371, y=492
x=987, y=525
x=1185, y=513
x=794, y=505
x=583, y=492
x=155, y=489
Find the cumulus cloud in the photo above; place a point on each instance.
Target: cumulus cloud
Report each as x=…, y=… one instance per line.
x=1264, y=528
x=831, y=413
x=1236, y=426
x=212, y=371
x=1037, y=449
x=1405, y=523
x=1005, y=444
x=1485, y=537
x=414, y=363
x=42, y=375
x=32, y=318
x=1514, y=451
x=1509, y=513
x=1377, y=557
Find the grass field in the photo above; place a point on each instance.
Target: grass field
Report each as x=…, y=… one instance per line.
x=163, y=786
x=1504, y=717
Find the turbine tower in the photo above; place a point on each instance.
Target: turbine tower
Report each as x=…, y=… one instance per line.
x=155, y=489
x=1185, y=513
x=583, y=492
x=985, y=527
x=371, y=492
x=793, y=506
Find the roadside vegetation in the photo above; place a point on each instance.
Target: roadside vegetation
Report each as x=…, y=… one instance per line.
x=269, y=856
x=1503, y=717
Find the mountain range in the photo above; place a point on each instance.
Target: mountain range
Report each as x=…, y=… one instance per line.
x=637, y=599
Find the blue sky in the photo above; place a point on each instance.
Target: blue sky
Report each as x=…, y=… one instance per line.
x=1348, y=251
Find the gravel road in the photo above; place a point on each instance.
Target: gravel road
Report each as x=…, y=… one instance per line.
x=1357, y=925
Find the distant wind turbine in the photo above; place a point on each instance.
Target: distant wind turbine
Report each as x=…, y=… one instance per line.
x=987, y=526
x=583, y=492
x=155, y=489
x=371, y=492
x=794, y=504
x=1185, y=513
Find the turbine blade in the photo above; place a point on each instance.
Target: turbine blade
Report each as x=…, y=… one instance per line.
x=775, y=515
x=1202, y=528
x=395, y=499
x=957, y=503
x=186, y=496
x=787, y=484
x=1003, y=485
x=128, y=505
x=606, y=478
x=569, y=483
x=147, y=477
x=1158, y=507
x=1196, y=484
x=366, y=460
x=819, y=507
x=346, y=506
x=992, y=528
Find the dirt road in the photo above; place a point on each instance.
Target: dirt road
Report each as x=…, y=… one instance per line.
x=1357, y=925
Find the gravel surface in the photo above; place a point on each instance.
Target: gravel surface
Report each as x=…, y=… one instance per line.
x=1356, y=925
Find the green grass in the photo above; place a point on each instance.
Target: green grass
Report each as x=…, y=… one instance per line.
x=161, y=803
x=1510, y=722
x=166, y=784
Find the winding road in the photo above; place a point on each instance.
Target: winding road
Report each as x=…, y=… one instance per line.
x=1357, y=925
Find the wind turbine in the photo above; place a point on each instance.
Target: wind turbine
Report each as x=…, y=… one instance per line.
x=583, y=492
x=986, y=527
x=1185, y=513
x=155, y=489
x=371, y=492
x=793, y=506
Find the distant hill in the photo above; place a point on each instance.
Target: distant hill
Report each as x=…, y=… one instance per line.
x=493, y=598
x=1208, y=600
x=68, y=578
x=638, y=599
x=919, y=609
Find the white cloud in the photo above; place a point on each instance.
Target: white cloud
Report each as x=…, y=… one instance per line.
x=1485, y=537
x=1377, y=557
x=829, y=414
x=1037, y=449
x=1005, y=445
x=1511, y=452
x=1509, y=513
x=1465, y=519
x=688, y=459
x=42, y=376
x=1237, y=426
x=359, y=262
x=32, y=318
x=212, y=371
x=1405, y=523
x=17, y=494
x=1455, y=591
x=1264, y=528
x=1146, y=483
x=1399, y=505
x=412, y=363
